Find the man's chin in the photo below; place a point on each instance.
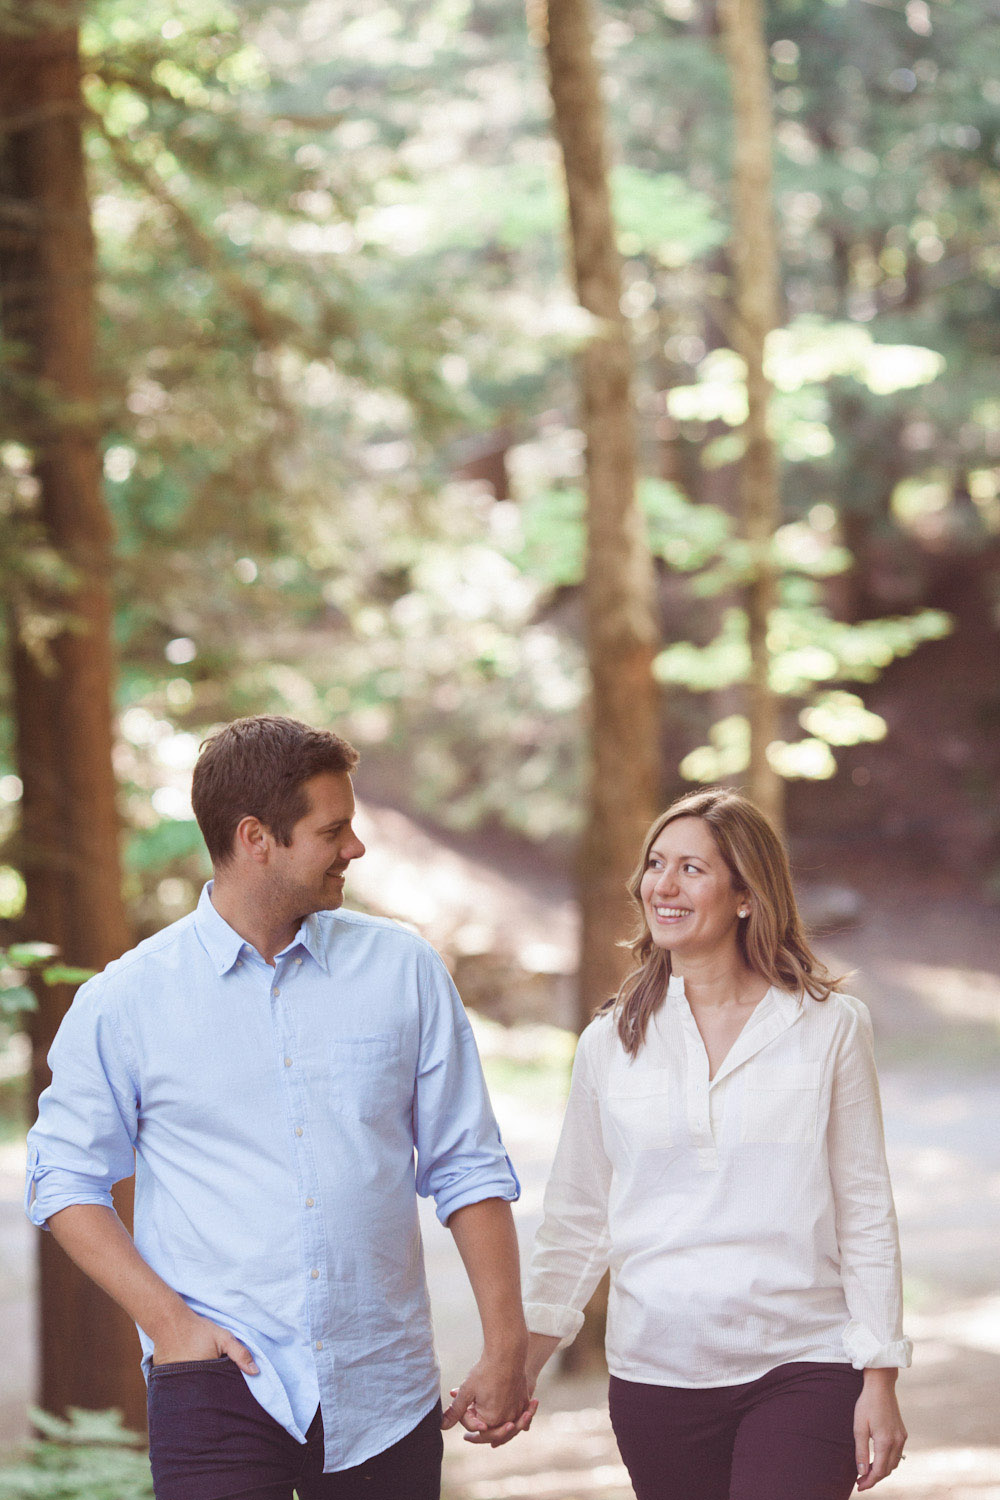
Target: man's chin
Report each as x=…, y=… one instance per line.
x=333, y=893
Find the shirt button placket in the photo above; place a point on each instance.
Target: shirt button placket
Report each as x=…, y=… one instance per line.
x=313, y=1236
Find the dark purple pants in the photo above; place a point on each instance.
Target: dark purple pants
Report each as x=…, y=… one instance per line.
x=210, y=1440
x=787, y=1436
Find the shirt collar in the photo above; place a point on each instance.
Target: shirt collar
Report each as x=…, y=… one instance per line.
x=787, y=1004
x=311, y=937
x=224, y=945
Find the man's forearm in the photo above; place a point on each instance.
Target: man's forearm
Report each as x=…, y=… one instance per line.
x=487, y=1242
x=96, y=1239
x=492, y=1402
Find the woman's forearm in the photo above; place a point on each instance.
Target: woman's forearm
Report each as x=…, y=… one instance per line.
x=541, y=1347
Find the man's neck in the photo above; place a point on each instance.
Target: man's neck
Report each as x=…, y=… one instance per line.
x=257, y=922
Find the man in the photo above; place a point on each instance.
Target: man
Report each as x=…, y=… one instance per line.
x=271, y=1063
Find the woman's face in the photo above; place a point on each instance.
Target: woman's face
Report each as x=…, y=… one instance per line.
x=687, y=892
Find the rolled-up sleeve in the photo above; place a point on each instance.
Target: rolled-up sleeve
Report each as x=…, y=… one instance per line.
x=867, y=1233
x=572, y=1247
x=460, y=1156
x=83, y=1140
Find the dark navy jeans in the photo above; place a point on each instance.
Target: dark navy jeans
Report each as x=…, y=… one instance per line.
x=209, y=1439
x=787, y=1436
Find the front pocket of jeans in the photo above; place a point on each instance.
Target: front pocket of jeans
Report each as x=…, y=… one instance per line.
x=184, y=1366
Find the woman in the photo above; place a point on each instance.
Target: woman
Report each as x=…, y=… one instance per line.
x=723, y=1153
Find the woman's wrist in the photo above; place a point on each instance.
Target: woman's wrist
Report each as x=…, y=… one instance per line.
x=882, y=1376
x=541, y=1347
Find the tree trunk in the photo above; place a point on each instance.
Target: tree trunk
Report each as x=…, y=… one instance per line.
x=618, y=588
x=62, y=666
x=755, y=263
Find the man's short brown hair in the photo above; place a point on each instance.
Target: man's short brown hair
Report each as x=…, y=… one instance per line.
x=257, y=768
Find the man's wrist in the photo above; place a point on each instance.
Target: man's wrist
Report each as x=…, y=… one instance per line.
x=507, y=1348
x=174, y=1319
x=505, y=1352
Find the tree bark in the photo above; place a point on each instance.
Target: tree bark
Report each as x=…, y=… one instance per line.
x=62, y=667
x=755, y=264
x=619, y=586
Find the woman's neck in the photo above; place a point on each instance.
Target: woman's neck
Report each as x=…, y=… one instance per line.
x=718, y=979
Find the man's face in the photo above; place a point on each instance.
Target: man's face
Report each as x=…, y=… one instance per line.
x=307, y=875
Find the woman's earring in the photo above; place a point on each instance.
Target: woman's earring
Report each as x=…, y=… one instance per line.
x=744, y=911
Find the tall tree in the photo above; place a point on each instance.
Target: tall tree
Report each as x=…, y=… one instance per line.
x=755, y=259
x=62, y=667
x=618, y=586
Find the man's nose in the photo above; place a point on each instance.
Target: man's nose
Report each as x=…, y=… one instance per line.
x=355, y=848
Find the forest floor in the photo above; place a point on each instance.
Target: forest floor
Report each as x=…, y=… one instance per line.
x=928, y=962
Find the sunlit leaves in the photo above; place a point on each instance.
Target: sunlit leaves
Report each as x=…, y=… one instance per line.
x=835, y=719
x=808, y=648
x=801, y=361
x=841, y=718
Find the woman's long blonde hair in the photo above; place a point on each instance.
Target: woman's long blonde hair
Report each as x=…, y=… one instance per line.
x=772, y=939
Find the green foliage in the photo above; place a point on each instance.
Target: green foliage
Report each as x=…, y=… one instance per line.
x=331, y=263
x=89, y=1457
x=552, y=539
x=17, y=960
x=808, y=648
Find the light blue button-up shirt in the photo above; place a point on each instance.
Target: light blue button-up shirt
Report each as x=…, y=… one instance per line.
x=274, y=1114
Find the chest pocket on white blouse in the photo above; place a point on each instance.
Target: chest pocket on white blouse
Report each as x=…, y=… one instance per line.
x=638, y=1110
x=363, y=1074
x=783, y=1109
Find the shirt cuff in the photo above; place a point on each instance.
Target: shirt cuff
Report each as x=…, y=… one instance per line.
x=477, y=1191
x=562, y=1323
x=47, y=1190
x=866, y=1353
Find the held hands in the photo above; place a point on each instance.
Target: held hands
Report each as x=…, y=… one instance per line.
x=879, y=1433
x=492, y=1403
x=194, y=1338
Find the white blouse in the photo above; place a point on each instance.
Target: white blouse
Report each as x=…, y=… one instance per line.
x=747, y=1221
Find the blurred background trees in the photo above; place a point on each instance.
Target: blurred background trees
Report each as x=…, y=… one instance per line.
x=335, y=399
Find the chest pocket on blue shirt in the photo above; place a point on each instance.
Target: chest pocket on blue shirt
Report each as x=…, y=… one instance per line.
x=783, y=1109
x=363, y=1074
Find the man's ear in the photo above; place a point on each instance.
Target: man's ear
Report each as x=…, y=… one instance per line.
x=253, y=840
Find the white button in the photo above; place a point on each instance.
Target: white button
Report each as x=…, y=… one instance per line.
x=319, y=1343
x=314, y=1274
x=239, y=963
x=298, y=960
x=288, y=1062
x=310, y=1203
x=275, y=992
x=298, y=1130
